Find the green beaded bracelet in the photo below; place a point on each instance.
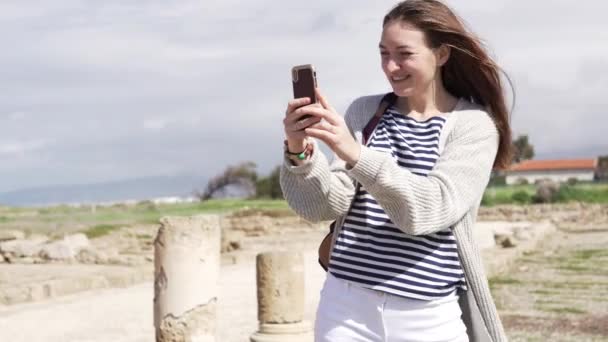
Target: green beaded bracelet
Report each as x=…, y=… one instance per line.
x=299, y=155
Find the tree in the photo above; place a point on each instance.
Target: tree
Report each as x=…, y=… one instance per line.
x=242, y=175
x=522, y=149
x=270, y=186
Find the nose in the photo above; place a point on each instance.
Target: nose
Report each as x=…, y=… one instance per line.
x=392, y=65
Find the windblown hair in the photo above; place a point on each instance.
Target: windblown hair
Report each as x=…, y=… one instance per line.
x=469, y=72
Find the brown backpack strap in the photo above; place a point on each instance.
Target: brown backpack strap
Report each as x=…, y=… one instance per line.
x=387, y=101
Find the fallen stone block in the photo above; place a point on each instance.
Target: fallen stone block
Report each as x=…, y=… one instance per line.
x=498, y=260
x=65, y=249
x=22, y=248
x=26, y=260
x=77, y=241
x=505, y=241
x=231, y=240
x=57, y=250
x=90, y=255
x=7, y=235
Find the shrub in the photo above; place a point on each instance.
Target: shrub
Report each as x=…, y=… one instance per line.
x=521, y=197
x=147, y=205
x=487, y=200
x=546, y=192
x=572, y=181
x=497, y=180
x=101, y=230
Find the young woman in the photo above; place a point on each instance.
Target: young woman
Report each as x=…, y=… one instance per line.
x=405, y=195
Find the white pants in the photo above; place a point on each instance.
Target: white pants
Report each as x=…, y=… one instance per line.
x=349, y=312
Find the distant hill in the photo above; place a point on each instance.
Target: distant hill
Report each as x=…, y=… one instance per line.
x=130, y=189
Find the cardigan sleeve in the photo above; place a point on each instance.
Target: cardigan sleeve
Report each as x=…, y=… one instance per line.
x=316, y=190
x=421, y=205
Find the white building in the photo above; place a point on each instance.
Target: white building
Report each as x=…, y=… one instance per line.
x=173, y=200
x=531, y=171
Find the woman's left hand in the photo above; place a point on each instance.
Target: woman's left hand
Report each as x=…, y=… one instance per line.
x=332, y=130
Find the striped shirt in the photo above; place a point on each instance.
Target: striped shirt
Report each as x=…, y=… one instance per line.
x=371, y=251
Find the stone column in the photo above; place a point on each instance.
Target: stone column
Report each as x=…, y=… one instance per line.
x=186, y=271
x=280, y=279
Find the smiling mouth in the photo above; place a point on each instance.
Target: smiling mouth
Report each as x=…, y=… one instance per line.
x=400, y=78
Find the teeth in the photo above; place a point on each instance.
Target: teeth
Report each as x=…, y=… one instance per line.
x=399, y=78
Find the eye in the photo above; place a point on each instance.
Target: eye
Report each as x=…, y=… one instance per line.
x=383, y=53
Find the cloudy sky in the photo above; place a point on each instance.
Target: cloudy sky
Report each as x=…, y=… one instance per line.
x=95, y=91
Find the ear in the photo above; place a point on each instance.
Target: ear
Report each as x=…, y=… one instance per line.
x=442, y=53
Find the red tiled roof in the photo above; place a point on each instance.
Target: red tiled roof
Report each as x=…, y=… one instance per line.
x=544, y=165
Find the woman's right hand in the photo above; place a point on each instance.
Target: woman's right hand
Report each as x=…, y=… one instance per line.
x=294, y=124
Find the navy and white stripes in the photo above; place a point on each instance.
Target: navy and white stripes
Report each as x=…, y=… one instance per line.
x=374, y=253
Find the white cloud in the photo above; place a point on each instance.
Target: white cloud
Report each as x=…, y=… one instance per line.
x=156, y=124
x=97, y=78
x=17, y=149
x=15, y=116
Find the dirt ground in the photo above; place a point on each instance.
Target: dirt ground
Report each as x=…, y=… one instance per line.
x=125, y=314
x=560, y=291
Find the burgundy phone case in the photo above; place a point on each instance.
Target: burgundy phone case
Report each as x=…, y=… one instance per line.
x=304, y=82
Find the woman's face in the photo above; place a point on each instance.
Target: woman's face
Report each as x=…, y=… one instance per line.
x=407, y=61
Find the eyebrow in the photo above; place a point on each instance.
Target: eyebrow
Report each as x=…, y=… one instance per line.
x=398, y=47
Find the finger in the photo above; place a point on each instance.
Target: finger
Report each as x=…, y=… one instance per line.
x=301, y=116
x=324, y=125
x=320, y=112
x=320, y=134
x=323, y=100
x=295, y=103
x=301, y=124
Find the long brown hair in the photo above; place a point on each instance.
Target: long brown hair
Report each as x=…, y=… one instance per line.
x=469, y=72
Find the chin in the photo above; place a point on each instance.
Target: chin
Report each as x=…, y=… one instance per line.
x=403, y=92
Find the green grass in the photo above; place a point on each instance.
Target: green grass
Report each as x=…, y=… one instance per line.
x=585, y=261
x=544, y=292
x=495, y=281
x=524, y=194
x=501, y=280
x=571, y=285
x=587, y=254
x=586, y=194
x=562, y=310
x=575, y=268
x=97, y=221
x=593, y=186
x=497, y=195
x=71, y=219
x=101, y=230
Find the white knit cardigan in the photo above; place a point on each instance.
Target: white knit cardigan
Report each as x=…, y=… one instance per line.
x=449, y=196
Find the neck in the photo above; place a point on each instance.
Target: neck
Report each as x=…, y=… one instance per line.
x=432, y=101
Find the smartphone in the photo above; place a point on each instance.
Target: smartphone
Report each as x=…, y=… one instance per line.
x=304, y=79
